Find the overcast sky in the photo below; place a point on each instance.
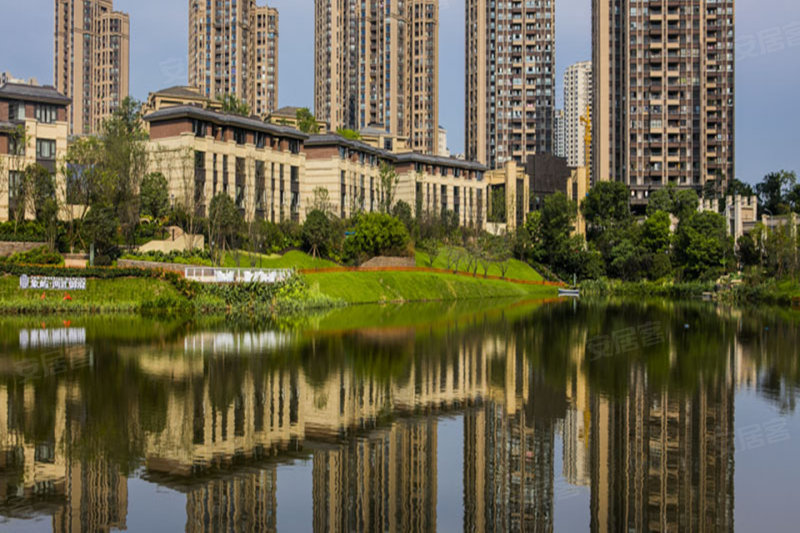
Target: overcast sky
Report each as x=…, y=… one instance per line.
x=767, y=75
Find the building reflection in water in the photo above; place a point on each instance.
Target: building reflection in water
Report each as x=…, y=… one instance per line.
x=655, y=459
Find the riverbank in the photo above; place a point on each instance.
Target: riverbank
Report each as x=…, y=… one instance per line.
x=170, y=295
x=783, y=293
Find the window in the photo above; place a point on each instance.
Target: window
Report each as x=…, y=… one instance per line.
x=16, y=111
x=47, y=114
x=45, y=149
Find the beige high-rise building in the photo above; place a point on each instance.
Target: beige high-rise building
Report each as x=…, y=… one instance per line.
x=664, y=93
x=91, y=60
x=510, y=85
x=233, y=49
x=378, y=67
x=577, y=104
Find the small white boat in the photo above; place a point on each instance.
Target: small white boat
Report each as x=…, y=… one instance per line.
x=569, y=293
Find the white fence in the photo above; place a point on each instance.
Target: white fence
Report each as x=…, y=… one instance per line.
x=237, y=275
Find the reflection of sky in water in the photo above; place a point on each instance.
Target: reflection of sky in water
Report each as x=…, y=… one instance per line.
x=295, y=504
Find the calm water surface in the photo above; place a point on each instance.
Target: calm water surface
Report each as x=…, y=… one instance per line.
x=486, y=417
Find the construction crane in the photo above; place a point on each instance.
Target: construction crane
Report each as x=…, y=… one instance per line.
x=586, y=120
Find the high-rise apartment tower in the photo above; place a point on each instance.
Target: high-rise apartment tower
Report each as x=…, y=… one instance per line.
x=510, y=85
x=91, y=60
x=233, y=49
x=577, y=104
x=377, y=66
x=663, y=93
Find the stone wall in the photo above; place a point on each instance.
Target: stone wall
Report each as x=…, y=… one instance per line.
x=10, y=248
x=390, y=262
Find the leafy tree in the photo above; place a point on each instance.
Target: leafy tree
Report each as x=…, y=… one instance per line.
x=306, y=121
x=233, y=105
x=740, y=188
x=100, y=229
x=625, y=261
x=656, y=235
x=317, y=233
x=124, y=141
x=498, y=204
x=685, y=204
x=224, y=222
x=793, y=198
x=703, y=248
x=557, y=219
x=747, y=251
x=348, y=134
x=402, y=212
x=387, y=188
x=155, y=195
x=322, y=201
x=661, y=200
x=607, y=205
x=377, y=234
x=774, y=190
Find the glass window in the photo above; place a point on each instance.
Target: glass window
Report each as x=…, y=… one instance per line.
x=45, y=149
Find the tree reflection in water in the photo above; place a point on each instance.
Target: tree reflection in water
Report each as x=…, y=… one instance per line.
x=213, y=412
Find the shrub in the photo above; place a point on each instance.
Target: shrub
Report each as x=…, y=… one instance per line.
x=377, y=234
x=37, y=256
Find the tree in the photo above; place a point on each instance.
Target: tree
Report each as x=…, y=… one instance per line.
x=661, y=200
x=656, y=235
x=317, y=233
x=377, y=234
x=703, y=247
x=224, y=223
x=44, y=200
x=124, y=142
x=322, y=201
x=87, y=183
x=348, y=134
x=155, y=196
x=606, y=205
x=306, y=121
x=774, y=190
x=100, y=230
x=686, y=203
x=18, y=190
x=233, y=105
x=739, y=188
x=497, y=213
x=747, y=251
x=402, y=212
x=387, y=187
x=558, y=218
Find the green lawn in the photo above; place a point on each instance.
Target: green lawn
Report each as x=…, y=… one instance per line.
x=117, y=295
x=293, y=259
x=375, y=287
x=516, y=269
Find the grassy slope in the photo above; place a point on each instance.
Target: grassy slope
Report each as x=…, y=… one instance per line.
x=517, y=269
x=120, y=295
x=291, y=259
x=372, y=287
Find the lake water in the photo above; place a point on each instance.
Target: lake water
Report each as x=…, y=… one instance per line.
x=533, y=416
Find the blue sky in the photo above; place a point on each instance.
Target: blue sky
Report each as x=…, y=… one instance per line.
x=768, y=68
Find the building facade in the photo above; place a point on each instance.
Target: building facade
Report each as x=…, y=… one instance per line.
x=233, y=49
x=577, y=105
x=274, y=172
x=560, y=146
x=92, y=60
x=378, y=66
x=664, y=93
x=33, y=130
x=510, y=80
